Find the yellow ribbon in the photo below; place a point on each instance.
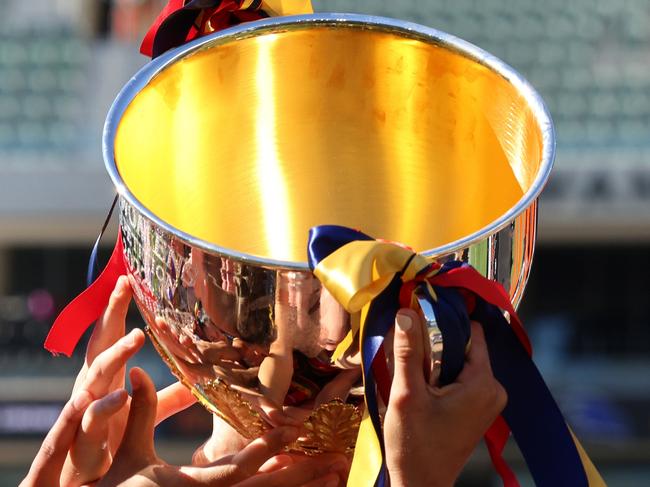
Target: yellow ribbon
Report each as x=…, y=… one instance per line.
x=359, y=271
x=355, y=274
x=593, y=476
x=276, y=8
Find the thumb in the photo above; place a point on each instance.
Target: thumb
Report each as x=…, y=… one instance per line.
x=408, y=352
x=137, y=442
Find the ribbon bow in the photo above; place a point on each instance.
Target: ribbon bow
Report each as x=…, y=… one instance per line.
x=372, y=279
x=182, y=21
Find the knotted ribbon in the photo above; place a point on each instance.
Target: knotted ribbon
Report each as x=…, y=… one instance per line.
x=372, y=279
x=182, y=21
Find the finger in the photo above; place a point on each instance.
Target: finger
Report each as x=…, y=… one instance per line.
x=90, y=450
x=137, y=441
x=324, y=470
x=276, y=463
x=199, y=456
x=225, y=441
x=277, y=416
x=96, y=416
x=282, y=417
x=110, y=327
x=109, y=363
x=297, y=415
x=46, y=467
x=188, y=345
x=408, y=353
x=271, y=413
x=170, y=339
x=173, y=399
x=334, y=320
x=339, y=387
x=298, y=297
x=258, y=451
x=217, y=352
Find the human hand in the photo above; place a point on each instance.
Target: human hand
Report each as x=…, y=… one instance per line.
x=45, y=470
x=102, y=376
x=430, y=432
x=256, y=465
x=224, y=440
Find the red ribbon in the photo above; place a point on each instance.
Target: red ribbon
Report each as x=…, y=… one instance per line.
x=76, y=317
x=86, y=308
x=496, y=438
x=471, y=284
x=225, y=14
x=467, y=278
x=146, y=47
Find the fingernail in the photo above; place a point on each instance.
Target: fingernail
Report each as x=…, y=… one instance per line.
x=114, y=397
x=403, y=321
x=119, y=288
x=332, y=483
x=129, y=340
x=81, y=400
x=135, y=380
x=290, y=434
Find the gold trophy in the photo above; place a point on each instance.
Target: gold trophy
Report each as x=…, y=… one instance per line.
x=227, y=150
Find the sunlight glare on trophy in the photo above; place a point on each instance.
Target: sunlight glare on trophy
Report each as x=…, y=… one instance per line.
x=274, y=201
x=260, y=139
x=227, y=153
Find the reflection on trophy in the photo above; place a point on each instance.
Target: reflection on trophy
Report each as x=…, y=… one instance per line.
x=227, y=150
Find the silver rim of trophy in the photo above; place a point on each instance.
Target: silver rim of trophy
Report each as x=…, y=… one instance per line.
x=406, y=29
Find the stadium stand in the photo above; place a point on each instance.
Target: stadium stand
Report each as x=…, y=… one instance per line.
x=590, y=60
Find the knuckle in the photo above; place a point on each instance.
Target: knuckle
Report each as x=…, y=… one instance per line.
x=493, y=397
x=236, y=473
x=48, y=449
x=69, y=416
x=94, y=420
x=501, y=398
x=403, y=352
x=115, y=302
x=400, y=399
x=95, y=374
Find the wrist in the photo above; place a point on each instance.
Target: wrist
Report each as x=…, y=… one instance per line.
x=439, y=476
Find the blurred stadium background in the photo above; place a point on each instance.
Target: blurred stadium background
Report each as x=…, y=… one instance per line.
x=587, y=306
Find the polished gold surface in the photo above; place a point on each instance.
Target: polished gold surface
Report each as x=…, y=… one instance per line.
x=331, y=427
x=235, y=146
x=249, y=143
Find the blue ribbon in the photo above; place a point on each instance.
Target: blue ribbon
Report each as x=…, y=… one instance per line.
x=531, y=413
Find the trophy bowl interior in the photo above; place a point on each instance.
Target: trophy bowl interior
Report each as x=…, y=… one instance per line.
x=229, y=149
x=251, y=140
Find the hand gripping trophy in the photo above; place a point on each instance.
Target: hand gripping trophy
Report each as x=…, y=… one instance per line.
x=287, y=183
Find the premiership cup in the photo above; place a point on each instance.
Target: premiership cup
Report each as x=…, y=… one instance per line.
x=227, y=150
